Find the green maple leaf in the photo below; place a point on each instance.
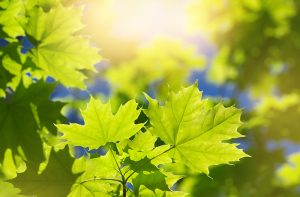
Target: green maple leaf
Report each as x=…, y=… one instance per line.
x=141, y=145
x=12, y=17
x=154, y=179
x=143, y=141
x=151, y=180
x=143, y=172
x=101, y=125
x=196, y=130
x=95, y=180
x=55, y=180
x=108, y=169
x=23, y=115
x=57, y=51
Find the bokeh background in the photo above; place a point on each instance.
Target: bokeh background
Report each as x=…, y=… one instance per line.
x=242, y=52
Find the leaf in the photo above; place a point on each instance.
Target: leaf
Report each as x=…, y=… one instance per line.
x=143, y=141
x=8, y=190
x=151, y=180
x=101, y=125
x=143, y=172
x=21, y=120
x=195, y=130
x=57, y=51
x=55, y=180
x=92, y=188
x=168, y=178
x=289, y=173
x=11, y=67
x=96, y=172
x=104, y=166
x=139, y=166
x=12, y=17
x=158, y=156
x=141, y=145
x=11, y=165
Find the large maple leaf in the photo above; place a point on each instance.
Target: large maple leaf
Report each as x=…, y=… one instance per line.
x=196, y=130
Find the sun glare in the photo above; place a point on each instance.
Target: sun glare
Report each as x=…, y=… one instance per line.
x=139, y=20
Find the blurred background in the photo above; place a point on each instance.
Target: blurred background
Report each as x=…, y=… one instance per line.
x=242, y=52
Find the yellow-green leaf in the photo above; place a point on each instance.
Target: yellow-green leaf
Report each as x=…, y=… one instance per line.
x=196, y=130
x=101, y=125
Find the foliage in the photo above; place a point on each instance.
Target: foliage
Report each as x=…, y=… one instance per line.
x=54, y=179
x=7, y=189
x=153, y=145
x=277, y=116
x=257, y=43
x=53, y=48
x=42, y=40
x=26, y=116
x=192, y=131
x=164, y=63
x=257, y=40
x=289, y=173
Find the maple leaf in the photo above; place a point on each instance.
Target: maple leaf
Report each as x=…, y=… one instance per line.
x=55, y=180
x=12, y=17
x=57, y=51
x=96, y=180
x=101, y=125
x=196, y=130
x=22, y=115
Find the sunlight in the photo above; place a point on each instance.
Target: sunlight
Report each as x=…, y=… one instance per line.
x=138, y=20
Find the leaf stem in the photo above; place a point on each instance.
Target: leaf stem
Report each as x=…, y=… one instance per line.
x=123, y=182
x=119, y=169
x=124, y=190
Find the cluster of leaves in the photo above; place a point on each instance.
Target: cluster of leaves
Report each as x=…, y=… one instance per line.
x=41, y=39
x=289, y=173
x=277, y=116
x=257, y=45
x=191, y=132
x=165, y=64
x=257, y=40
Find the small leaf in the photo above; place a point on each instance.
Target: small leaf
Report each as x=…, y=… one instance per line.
x=143, y=141
x=151, y=180
x=101, y=125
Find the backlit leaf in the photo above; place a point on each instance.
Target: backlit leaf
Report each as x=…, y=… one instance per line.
x=196, y=130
